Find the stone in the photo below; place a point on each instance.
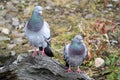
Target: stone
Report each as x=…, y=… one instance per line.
x=2, y=7
x=26, y=67
x=99, y=62
x=2, y=20
x=9, y=26
x=15, y=1
x=5, y=31
x=48, y=7
x=88, y=16
x=4, y=38
x=27, y=11
x=15, y=21
x=109, y=5
x=115, y=0
x=113, y=42
x=12, y=53
x=11, y=7
x=21, y=25
x=11, y=46
x=16, y=34
x=2, y=12
x=9, y=16
x=18, y=40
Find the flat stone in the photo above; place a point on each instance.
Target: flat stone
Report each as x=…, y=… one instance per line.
x=16, y=34
x=2, y=20
x=109, y=5
x=99, y=62
x=11, y=7
x=27, y=11
x=15, y=1
x=4, y=38
x=115, y=0
x=18, y=40
x=88, y=16
x=13, y=53
x=15, y=21
x=5, y=31
x=9, y=26
x=2, y=12
x=11, y=46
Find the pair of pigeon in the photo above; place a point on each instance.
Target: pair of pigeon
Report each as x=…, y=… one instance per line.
x=37, y=32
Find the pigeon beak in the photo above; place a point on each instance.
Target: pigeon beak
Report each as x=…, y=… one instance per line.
x=40, y=12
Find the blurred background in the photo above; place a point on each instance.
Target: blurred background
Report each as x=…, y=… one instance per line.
x=98, y=21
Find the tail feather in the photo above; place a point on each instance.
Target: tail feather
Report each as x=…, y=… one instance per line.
x=66, y=64
x=48, y=51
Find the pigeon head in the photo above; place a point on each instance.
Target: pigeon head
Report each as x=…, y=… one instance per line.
x=38, y=9
x=36, y=21
x=78, y=39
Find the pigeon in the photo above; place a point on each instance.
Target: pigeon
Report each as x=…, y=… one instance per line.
x=75, y=53
x=37, y=32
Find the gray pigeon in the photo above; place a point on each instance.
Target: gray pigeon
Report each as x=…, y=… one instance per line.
x=75, y=53
x=37, y=32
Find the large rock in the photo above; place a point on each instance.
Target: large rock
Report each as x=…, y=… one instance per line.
x=38, y=68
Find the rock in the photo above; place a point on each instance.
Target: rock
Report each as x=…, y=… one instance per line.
x=2, y=12
x=2, y=20
x=9, y=26
x=4, y=38
x=15, y=21
x=39, y=68
x=15, y=1
x=113, y=42
x=13, y=53
x=109, y=5
x=115, y=0
x=21, y=25
x=27, y=11
x=11, y=7
x=11, y=46
x=7, y=59
x=9, y=16
x=88, y=16
x=16, y=34
x=18, y=40
x=5, y=31
x=48, y=7
x=99, y=62
x=2, y=6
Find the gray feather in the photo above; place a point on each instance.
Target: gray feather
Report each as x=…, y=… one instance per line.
x=73, y=55
x=36, y=30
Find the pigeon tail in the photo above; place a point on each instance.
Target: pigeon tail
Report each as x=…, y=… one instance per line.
x=47, y=51
x=66, y=64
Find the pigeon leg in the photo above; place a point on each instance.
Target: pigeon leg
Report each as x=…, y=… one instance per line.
x=34, y=52
x=42, y=51
x=69, y=69
x=78, y=70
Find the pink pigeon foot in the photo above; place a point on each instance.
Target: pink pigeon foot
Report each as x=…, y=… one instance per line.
x=69, y=70
x=78, y=70
x=34, y=52
x=43, y=53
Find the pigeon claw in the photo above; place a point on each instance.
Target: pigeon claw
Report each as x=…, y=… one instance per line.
x=69, y=70
x=33, y=54
x=42, y=52
x=78, y=70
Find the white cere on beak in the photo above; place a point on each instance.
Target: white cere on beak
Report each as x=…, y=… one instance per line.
x=40, y=12
x=81, y=40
